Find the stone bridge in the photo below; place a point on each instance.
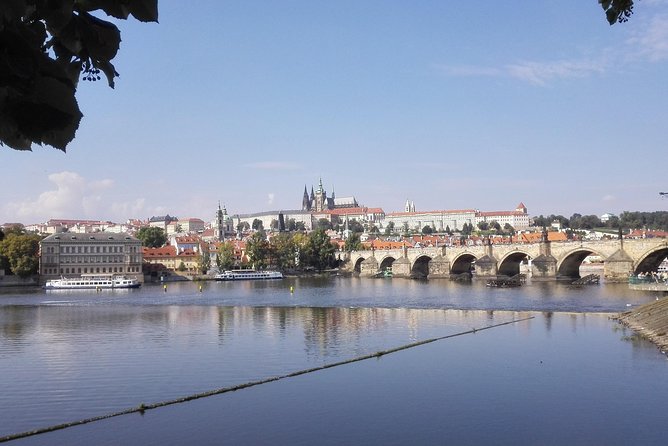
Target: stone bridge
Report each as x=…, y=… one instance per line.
x=548, y=260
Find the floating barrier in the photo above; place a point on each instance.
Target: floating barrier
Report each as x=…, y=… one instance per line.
x=141, y=408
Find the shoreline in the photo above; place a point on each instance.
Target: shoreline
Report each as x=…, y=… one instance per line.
x=649, y=321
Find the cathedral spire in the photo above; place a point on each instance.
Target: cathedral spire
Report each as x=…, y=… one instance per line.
x=306, y=202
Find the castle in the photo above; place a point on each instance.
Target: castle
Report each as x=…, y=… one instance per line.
x=318, y=201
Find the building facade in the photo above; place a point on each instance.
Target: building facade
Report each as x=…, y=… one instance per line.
x=67, y=254
x=438, y=220
x=518, y=219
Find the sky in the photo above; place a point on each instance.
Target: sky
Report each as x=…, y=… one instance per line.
x=452, y=105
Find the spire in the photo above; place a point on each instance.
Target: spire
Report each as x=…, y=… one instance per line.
x=306, y=202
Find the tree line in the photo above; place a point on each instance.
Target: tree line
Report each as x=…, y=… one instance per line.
x=657, y=220
x=284, y=251
x=19, y=252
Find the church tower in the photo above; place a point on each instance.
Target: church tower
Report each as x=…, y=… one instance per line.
x=219, y=228
x=306, y=201
x=320, y=198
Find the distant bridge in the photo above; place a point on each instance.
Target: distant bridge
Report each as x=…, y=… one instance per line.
x=549, y=260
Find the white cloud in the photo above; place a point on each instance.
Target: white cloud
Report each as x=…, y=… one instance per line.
x=540, y=73
x=609, y=198
x=73, y=196
x=536, y=73
x=270, y=198
x=652, y=41
x=469, y=70
x=274, y=165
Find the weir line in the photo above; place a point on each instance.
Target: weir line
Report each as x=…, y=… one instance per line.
x=144, y=407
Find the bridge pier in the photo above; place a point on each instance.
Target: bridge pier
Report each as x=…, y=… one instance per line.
x=618, y=266
x=486, y=266
x=401, y=267
x=439, y=267
x=545, y=265
x=369, y=267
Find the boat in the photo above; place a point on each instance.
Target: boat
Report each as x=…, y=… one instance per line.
x=92, y=281
x=248, y=274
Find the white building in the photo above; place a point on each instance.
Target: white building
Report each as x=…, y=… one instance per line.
x=439, y=220
x=518, y=219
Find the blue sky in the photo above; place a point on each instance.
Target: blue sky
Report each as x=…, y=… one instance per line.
x=450, y=104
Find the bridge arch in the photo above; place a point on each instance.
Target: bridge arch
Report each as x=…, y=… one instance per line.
x=463, y=263
x=650, y=260
x=569, y=265
x=509, y=265
x=386, y=263
x=420, y=267
x=358, y=265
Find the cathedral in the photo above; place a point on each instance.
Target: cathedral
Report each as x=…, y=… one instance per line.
x=318, y=201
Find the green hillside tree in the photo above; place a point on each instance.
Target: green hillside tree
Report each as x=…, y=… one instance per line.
x=319, y=250
x=20, y=252
x=225, y=256
x=257, y=249
x=151, y=236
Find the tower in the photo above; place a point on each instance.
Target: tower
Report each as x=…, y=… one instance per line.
x=306, y=201
x=320, y=198
x=220, y=229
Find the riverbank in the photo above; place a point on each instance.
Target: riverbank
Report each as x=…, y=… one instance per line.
x=650, y=321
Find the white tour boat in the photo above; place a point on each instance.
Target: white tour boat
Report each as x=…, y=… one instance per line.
x=248, y=274
x=92, y=281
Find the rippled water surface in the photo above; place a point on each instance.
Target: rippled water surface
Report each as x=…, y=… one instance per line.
x=568, y=375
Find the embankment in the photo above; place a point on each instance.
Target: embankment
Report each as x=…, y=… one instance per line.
x=650, y=321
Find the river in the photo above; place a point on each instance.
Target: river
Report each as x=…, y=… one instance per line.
x=563, y=374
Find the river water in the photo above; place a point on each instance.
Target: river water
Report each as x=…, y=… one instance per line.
x=563, y=374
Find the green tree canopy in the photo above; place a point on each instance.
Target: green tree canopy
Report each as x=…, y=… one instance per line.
x=426, y=230
x=353, y=243
x=319, y=250
x=225, y=256
x=355, y=226
x=45, y=47
x=257, y=249
x=152, y=236
x=204, y=262
x=324, y=223
x=283, y=250
x=20, y=252
x=257, y=225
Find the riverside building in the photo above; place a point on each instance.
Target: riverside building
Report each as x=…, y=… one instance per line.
x=67, y=254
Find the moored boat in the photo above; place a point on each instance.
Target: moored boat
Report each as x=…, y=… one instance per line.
x=92, y=281
x=248, y=274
